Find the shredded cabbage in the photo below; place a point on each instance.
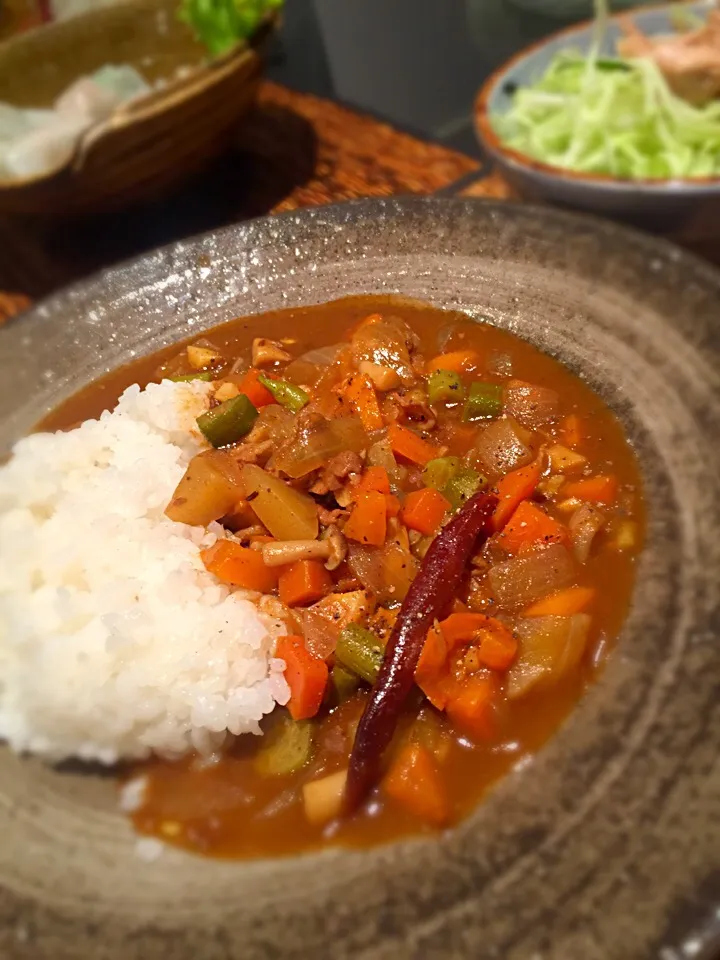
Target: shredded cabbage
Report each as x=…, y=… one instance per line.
x=608, y=115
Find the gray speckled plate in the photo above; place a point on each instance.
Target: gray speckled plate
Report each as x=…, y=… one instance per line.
x=606, y=846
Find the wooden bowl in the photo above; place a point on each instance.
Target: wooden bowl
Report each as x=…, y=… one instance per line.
x=147, y=145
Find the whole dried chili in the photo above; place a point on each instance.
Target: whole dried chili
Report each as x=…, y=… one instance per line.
x=429, y=598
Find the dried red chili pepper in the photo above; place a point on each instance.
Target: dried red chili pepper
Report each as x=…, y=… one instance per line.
x=430, y=596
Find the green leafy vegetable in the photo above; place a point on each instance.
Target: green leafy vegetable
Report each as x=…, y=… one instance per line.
x=610, y=116
x=188, y=377
x=445, y=386
x=462, y=486
x=228, y=422
x=222, y=24
x=484, y=401
x=360, y=651
x=288, y=747
x=438, y=472
x=286, y=393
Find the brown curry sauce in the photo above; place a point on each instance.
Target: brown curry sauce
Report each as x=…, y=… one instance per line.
x=227, y=809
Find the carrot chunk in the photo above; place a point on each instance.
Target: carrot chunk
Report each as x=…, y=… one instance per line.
x=473, y=708
x=257, y=394
x=303, y=582
x=393, y=505
x=424, y=510
x=498, y=647
x=495, y=645
x=410, y=446
x=564, y=603
x=239, y=566
x=529, y=525
x=432, y=657
x=306, y=676
x=599, y=489
x=368, y=521
x=512, y=489
x=374, y=478
x=571, y=431
x=361, y=396
x=457, y=361
x=414, y=782
x=461, y=628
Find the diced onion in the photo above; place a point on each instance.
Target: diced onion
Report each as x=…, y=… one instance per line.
x=317, y=442
x=532, y=406
x=500, y=449
x=584, y=525
x=550, y=647
x=526, y=578
x=323, y=798
x=320, y=634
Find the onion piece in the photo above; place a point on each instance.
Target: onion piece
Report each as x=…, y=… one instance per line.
x=532, y=406
x=584, y=525
x=388, y=343
x=320, y=634
x=386, y=572
x=273, y=423
x=317, y=441
x=550, y=648
x=523, y=579
x=323, y=356
x=501, y=448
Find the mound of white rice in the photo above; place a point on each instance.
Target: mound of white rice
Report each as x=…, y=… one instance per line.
x=114, y=639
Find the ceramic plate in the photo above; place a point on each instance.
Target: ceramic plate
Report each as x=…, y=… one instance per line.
x=668, y=205
x=607, y=845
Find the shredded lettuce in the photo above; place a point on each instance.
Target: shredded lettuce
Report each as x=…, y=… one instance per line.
x=222, y=24
x=597, y=114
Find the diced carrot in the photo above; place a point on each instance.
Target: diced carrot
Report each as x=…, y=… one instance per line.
x=571, y=431
x=368, y=520
x=495, y=644
x=257, y=394
x=498, y=647
x=393, y=505
x=531, y=525
x=512, y=489
x=363, y=399
x=374, y=478
x=564, y=603
x=303, y=582
x=414, y=782
x=433, y=656
x=424, y=510
x=410, y=446
x=306, y=676
x=461, y=628
x=458, y=361
x=239, y=566
x=599, y=489
x=473, y=708
x=439, y=689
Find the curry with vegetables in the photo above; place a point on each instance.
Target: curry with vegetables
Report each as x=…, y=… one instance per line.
x=447, y=522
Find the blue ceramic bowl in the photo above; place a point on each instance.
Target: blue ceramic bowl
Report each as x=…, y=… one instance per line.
x=691, y=205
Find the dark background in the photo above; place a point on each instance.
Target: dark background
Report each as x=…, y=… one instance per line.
x=416, y=63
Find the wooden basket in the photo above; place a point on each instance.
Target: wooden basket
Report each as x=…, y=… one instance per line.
x=147, y=146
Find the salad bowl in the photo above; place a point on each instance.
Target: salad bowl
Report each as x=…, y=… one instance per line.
x=679, y=206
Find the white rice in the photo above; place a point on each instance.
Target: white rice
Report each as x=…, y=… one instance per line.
x=115, y=641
